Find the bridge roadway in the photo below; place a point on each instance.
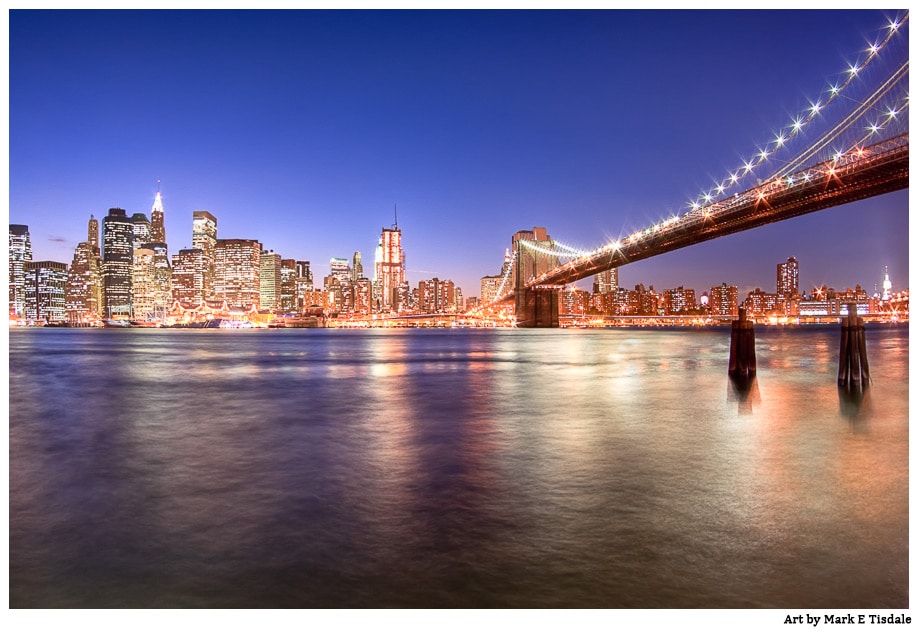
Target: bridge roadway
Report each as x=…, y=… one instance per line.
x=875, y=170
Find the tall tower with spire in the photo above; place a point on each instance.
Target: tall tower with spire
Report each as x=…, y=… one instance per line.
x=157, y=227
x=887, y=284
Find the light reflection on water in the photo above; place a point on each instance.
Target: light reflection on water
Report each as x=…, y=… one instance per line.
x=615, y=468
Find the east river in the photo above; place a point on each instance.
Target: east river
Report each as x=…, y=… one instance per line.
x=613, y=468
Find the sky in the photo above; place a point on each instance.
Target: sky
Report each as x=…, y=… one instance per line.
x=308, y=130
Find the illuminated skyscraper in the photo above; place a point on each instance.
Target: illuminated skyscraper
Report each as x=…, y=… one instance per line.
x=288, y=302
x=93, y=233
x=188, y=277
x=84, y=285
x=141, y=230
x=357, y=268
x=304, y=284
x=605, y=281
x=45, y=291
x=204, y=238
x=142, y=284
x=157, y=223
x=117, y=263
x=20, y=253
x=390, y=268
x=340, y=269
x=237, y=272
x=887, y=284
x=162, y=278
x=788, y=278
x=270, y=280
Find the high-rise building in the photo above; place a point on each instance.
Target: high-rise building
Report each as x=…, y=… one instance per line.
x=45, y=291
x=605, y=281
x=162, y=278
x=436, y=296
x=788, y=278
x=363, y=296
x=341, y=269
x=204, y=238
x=270, y=280
x=141, y=230
x=724, y=300
x=142, y=285
x=390, y=269
x=20, y=253
x=93, y=233
x=237, y=272
x=117, y=263
x=157, y=220
x=304, y=284
x=84, y=285
x=678, y=301
x=357, y=266
x=188, y=277
x=288, y=294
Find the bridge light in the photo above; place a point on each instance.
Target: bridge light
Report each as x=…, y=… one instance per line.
x=779, y=140
x=834, y=89
x=893, y=25
x=891, y=113
x=816, y=107
x=734, y=177
x=831, y=171
x=763, y=155
x=720, y=189
x=798, y=124
x=708, y=197
x=838, y=156
x=807, y=176
x=874, y=128
x=748, y=165
x=874, y=48
x=853, y=69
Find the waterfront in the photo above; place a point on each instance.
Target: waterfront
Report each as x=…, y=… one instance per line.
x=610, y=468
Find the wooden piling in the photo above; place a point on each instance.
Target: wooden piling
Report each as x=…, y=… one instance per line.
x=742, y=347
x=853, y=369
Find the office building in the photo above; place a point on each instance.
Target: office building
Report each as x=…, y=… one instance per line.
x=237, y=272
x=788, y=278
x=188, y=277
x=20, y=253
x=204, y=238
x=157, y=220
x=83, y=295
x=45, y=291
x=270, y=280
x=117, y=263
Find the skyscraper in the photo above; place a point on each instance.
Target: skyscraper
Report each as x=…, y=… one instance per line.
x=724, y=300
x=20, y=253
x=605, y=281
x=117, y=263
x=84, y=285
x=287, y=303
x=357, y=267
x=237, y=272
x=157, y=223
x=270, y=280
x=45, y=291
x=788, y=278
x=141, y=230
x=93, y=232
x=390, y=268
x=304, y=284
x=188, y=277
x=204, y=238
x=143, y=292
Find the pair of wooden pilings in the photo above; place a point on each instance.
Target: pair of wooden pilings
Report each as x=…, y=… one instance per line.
x=742, y=348
x=853, y=370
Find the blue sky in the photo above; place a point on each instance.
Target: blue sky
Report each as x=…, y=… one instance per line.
x=305, y=129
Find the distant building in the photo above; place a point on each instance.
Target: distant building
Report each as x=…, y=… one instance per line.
x=390, y=271
x=237, y=272
x=574, y=302
x=188, y=267
x=304, y=284
x=204, y=238
x=288, y=302
x=270, y=280
x=157, y=220
x=678, y=301
x=436, y=296
x=117, y=263
x=45, y=291
x=724, y=300
x=83, y=294
x=143, y=287
x=788, y=278
x=20, y=253
x=605, y=281
x=141, y=230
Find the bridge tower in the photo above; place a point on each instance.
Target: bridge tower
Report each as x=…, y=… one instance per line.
x=535, y=306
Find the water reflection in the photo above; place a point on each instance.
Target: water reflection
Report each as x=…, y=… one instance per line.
x=744, y=390
x=851, y=401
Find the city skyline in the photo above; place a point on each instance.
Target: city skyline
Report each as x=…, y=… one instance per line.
x=471, y=143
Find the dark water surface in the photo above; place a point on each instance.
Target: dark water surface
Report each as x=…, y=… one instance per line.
x=454, y=468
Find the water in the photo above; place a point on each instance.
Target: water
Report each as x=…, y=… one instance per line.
x=454, y=468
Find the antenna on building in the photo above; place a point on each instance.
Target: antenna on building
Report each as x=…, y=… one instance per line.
x=395, y=225
x=158, y=186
